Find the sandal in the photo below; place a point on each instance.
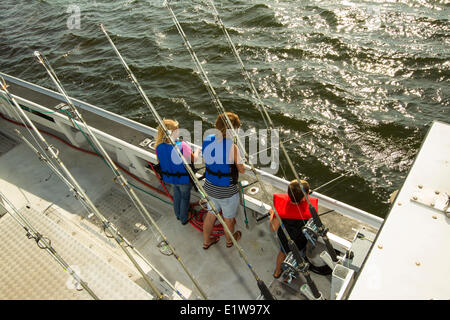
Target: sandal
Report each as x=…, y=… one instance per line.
x=191, y=214
x=237, y=235
x=213, y=240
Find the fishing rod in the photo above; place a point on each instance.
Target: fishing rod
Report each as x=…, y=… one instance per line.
x=43, y=158
x=221, y=111
x=322, y=231
x=161, y=275
x=54, y=153
x=119, y=178
x=44, y=243
x=262, y=286
x=73, y=185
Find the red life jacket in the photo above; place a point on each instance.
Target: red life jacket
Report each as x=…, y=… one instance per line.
x=288, y=210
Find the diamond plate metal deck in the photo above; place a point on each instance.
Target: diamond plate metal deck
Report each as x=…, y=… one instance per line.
x=116, y=206
x=30, y=273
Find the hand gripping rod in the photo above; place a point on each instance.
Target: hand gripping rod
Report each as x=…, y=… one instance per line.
x=44, y=243
x=264, y=290
x=120, y=178
x=77, y=190
x=221, y=111
x=322, y=231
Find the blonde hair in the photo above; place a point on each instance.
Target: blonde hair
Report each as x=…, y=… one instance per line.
x=161, y=137
x=221, y=122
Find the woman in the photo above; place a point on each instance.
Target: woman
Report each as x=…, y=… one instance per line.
x=173, y=171
x=223, y=165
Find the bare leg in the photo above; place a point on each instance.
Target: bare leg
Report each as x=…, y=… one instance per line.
x=280, y=258
x=208, y=225
x=230, y=224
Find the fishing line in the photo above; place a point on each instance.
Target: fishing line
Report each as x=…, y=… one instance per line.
x=78, y=191
x=58, y=173
x=345, y=174
x=322, y=231
x=42, y=156
x=262, y=286
x=119, y=178
x=287, y=140
x=88, y=211
x=96, y=153
x=22, y=117
x=225, y=118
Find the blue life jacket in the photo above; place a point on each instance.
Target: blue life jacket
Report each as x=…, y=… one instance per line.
x=172, y=166
x=220, y=171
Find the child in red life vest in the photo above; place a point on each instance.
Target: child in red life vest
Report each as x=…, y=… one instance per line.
x=294, y=213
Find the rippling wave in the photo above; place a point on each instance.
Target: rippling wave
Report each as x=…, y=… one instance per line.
x=364, y=79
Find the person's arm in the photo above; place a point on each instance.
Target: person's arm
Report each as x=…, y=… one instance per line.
x=238, y=160
x=194, y=155
x=274, y=223
x=188, y=154
x=157, y=159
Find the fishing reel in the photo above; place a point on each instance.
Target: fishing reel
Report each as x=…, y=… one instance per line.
x=291, y=268
x=203, y=204
x=310, y=230
x=291, y=271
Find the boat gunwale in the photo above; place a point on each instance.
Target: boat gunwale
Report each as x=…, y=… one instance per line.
x=255, y=204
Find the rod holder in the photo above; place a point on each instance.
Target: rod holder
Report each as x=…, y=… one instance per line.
x=325, y=256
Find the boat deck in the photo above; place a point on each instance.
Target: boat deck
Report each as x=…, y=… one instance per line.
x=220, y=271
x=337, y=222
x=409, y=259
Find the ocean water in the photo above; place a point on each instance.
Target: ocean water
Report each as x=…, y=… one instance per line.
x=363, y=79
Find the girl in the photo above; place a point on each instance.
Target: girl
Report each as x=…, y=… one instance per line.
x=173, y=171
